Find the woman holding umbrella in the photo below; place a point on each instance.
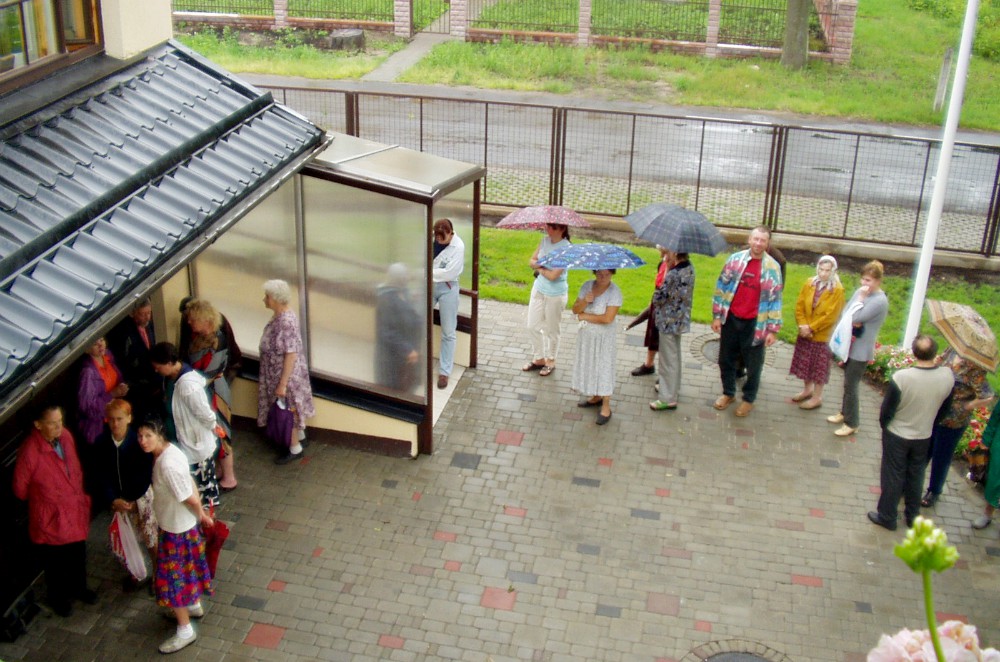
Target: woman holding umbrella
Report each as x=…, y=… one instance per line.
x=548, y=301
x=596, y=346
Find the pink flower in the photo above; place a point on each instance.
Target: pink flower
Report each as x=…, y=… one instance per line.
x=959, y=642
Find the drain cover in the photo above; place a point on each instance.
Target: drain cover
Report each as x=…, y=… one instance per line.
x=736, y=657
x=706, y=349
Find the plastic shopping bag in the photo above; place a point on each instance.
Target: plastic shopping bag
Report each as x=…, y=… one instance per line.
x=125, y=546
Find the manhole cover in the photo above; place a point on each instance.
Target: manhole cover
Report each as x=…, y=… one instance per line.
x=736, y=657
x=734, y=650
x=706, y=349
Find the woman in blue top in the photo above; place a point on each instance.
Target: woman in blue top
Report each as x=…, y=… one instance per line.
x=549, y=295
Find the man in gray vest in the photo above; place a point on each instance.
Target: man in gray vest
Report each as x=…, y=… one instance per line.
x=915, y=397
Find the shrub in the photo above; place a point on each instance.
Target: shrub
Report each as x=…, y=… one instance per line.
x=973, y=435
x=888, y=359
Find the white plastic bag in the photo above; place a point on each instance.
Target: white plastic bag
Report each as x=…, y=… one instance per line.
x=840, y=341
x=125, y=546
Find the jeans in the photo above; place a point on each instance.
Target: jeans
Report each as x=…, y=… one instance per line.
x=446, y=299
x=544, y=317
x=736, y=341
x=669, y=359
x=854, y=370
x=943, y=443
x=902, y=475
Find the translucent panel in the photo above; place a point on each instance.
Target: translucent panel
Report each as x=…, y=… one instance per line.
x=231, y=273
x=360, y=313
x=458, y=207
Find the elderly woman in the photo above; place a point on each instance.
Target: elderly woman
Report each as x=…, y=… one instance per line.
x=181, y=575
x=596, y=307
x=100, y=382
x=816, y=312
x=397, y=332
x=125, y=475
x=283, y=371
x=672, y=313
x=48, y=476
x=868, y=308
x=549, y=295
x=970, y=392
x=210, y=350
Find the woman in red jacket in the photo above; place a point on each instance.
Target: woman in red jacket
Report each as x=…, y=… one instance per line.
x=48, y=476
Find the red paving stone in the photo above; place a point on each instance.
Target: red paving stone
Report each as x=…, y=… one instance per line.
x=730, y=501
x=875, y=489
x=498, y=598
x=445, y=536
x=277, y=586
x=605, y=462
x=263, y=635
x=417, y=496
x=318, y=552
x=509, y=437
x=453, y=566
x=817, y=512
x=389, y=641
x=789, y=525
x=662, y=492
x=661, y=603
x=702, y=626
x=277, y=525
x=514, y=512
x=807, y=580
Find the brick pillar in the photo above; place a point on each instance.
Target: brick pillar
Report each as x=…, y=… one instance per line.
x=843, y=32
x=712, y=32
x=583, y=33
x=459, y=19
x=402, y=12
x=280, y=14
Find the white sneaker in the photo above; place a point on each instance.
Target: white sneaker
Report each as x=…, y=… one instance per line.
x=175, y=643
x=845, y=431
x=981, y=522
x=836, y=418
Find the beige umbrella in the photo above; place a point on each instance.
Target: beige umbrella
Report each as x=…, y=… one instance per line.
x=966, y=331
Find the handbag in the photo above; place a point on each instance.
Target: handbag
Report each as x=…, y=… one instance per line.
x=125, y=546
x=979, y=462
x=280, y=421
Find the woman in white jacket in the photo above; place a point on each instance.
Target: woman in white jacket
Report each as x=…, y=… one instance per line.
x=189, y=419
x=449, y=261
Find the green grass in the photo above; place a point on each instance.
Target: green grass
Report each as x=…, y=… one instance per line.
x=505, y=276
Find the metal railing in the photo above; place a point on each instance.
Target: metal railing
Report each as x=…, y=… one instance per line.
x=801, y=181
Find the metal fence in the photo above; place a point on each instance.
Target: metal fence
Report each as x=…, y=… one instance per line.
x=801, y=181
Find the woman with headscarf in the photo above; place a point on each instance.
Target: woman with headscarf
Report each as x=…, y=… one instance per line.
x=816, y=312
x=100, y=383
x=549, y=295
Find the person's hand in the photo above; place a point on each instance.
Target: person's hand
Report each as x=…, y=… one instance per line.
x=120, y=506
x=120, y=391
x=281, y=391
x=589, y=298
x=770, y=339
x=863, y=292
x=206, y=520
x=412, y=357
x=717, y=325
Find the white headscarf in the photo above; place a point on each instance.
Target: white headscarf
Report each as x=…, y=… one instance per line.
x=833, y=281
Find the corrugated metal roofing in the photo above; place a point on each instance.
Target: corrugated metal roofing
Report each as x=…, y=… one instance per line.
x=98, y=190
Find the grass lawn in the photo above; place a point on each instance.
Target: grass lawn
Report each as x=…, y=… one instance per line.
x=505, y=276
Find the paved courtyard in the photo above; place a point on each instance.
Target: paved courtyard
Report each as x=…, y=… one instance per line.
x=533, y=534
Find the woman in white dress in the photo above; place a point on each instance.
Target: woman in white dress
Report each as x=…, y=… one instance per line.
x=596, y=345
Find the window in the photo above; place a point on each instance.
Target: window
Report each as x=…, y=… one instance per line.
x=33, y=30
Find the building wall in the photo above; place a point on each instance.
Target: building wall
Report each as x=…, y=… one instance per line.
x=130, y=27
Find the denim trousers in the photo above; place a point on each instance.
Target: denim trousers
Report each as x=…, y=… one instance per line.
x=446, y=300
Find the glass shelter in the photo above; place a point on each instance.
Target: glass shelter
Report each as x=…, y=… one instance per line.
x=351, y=233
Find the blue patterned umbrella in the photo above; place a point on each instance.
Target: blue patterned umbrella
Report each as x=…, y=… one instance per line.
x=591, y=256
x=677, y=229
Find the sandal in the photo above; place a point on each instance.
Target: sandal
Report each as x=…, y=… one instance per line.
x=929, y=499
x=531, y=365
x=811, y=403
x=799, y=397
x=546, y=371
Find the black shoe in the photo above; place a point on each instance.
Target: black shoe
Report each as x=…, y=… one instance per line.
x=875, y=518
x=289, y=457
x=643, y=370
x=602, y=419
x=64, y=609
x=929, y=499
x=909, y=522
x=88, y=597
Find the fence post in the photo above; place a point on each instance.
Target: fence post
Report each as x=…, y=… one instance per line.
x=459, y=19
x=402, y=18
x=843, y=31
x=280, y=14
x=712, y=31
x=583, y=32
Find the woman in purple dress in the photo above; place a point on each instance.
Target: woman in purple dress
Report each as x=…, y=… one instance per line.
x=284, y=376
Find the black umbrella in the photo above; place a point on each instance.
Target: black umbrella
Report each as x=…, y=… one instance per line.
x=677, y=229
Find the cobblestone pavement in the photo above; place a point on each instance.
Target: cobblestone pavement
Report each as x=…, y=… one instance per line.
x=533, y=534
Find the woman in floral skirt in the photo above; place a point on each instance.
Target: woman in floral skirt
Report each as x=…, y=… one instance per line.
x=182, y=575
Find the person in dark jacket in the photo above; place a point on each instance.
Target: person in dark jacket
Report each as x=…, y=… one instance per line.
x=130, y=341
x=124, y=476
x=397, y=333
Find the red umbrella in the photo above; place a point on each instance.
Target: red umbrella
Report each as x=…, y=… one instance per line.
x=536, y=218
x=215, y=538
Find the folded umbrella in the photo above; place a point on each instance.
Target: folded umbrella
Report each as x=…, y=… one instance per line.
x=966, y=331
x=535, y=218
x=591, y=256
x=677, y=229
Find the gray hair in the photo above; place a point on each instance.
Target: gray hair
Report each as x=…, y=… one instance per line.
x=279, y=291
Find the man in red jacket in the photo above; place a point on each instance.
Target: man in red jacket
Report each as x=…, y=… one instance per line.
x=48, y=476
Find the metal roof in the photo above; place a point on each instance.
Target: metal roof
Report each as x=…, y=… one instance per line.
x=104, y=192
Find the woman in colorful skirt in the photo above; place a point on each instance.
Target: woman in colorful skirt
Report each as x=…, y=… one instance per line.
x=816, y=313
x=182, y=573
